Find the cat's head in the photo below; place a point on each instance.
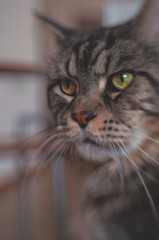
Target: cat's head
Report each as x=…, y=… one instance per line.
x=103, y=88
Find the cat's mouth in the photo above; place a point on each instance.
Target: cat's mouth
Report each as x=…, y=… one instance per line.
x=91, y=150
x=92, y=144
x=90, y=141
x=98, y=151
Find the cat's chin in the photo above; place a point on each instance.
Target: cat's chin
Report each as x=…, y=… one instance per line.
x=93, y=152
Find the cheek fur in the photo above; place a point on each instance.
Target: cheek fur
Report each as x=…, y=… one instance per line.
x=56, y=90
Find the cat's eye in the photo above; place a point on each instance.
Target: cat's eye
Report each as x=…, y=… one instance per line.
x=122, y=80
x=68, y=87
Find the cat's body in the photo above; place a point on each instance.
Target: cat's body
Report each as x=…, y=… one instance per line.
x=104, y=95
x=114, y=215
x=104, y=211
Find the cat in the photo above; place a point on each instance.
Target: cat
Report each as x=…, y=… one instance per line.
x=103, y=93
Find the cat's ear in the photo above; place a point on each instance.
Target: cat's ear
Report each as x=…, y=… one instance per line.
x=60, y=31
x=148, y=20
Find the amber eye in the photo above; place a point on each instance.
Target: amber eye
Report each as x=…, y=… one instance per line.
x=68, y=87
x=122, y=80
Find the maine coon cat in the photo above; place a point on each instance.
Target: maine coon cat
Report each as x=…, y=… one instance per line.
x=103, y=92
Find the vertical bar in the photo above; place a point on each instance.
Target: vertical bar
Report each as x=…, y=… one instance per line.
x=59, y=199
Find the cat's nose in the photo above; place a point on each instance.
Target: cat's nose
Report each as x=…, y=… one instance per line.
x=83, y=118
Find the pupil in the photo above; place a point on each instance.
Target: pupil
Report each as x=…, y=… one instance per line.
x=121, y=78
x=68, y=83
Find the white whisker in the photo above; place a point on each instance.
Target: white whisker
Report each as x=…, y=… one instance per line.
x=150, y=138
x=117, y=162
x=120, y=167
x=147, y=136
x=43, y=145
x=43, y=164
x=149, y=176
x=51, y=150
x=54, y=155
x=140, y=178
x=34, y=157
x=27, y=140
x=52, y=147
x=145, y=153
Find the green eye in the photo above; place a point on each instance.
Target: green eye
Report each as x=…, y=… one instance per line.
x=122, y=80
x=68, y=87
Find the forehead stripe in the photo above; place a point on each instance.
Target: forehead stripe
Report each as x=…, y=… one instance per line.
x=94, y=60
x=107, y=64
x=99, y=67
x=82, y=49
x=89, y=52
x=72, y=65
x=67, y=68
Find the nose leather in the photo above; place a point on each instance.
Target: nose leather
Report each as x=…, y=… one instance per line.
x=83, y=119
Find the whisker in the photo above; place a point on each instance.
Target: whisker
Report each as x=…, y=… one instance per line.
x=150, y=138
x=147, y=136
x=37, y=153
x=149, y=156
x=140, y=178
x=117, y=162
x=51, y=153
x=27, y=140
x=43, y=145
x=52, y=147
x=54, y=155
x=120, y=168
x=149, y=176
x=65, y=149
x=43, y=164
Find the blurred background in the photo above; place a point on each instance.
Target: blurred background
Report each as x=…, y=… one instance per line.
x=24, y=44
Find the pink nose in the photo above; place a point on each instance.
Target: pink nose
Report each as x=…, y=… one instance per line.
x=82, y=119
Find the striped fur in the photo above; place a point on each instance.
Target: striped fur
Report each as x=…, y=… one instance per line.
x=122, y=137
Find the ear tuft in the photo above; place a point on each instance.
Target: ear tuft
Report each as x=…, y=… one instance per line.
x=59, y=30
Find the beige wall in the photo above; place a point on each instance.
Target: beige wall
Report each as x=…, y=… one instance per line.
x=17, y=32
x=21, y=93
x=75, y=13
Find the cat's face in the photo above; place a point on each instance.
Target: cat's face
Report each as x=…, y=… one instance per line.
x=103, y=92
